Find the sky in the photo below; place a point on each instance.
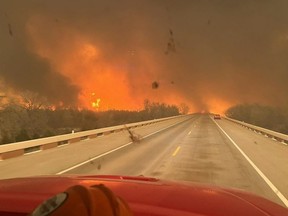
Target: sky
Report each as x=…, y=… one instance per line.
x=207, y=54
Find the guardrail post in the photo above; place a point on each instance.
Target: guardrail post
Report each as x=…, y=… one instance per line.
x=25, y=147
x=11, y=154
x=283, y=138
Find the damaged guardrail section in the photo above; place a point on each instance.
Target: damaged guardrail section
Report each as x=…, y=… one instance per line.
x=269, y=133
x=26, y=147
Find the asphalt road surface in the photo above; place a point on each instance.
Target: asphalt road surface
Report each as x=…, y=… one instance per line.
x=197, y=149
x=65, y=157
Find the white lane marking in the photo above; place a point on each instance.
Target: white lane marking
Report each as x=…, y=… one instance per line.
x=189, y=132
x=33, y=152
x=91, y=159
x=62, y=145
x=113, y=150
x=270, y=184
x=176, y=151
x=162, y=129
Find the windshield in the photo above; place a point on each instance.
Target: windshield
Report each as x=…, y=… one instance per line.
x=91, y=72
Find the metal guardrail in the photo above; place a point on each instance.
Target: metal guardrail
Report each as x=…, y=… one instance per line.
x=269, y=133
x=26, y=147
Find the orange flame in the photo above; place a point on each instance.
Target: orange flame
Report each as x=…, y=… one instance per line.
x=121, y=83
x=96, y=104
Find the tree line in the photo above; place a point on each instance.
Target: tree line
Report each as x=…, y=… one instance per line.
x=31, y=120
x=273, y=118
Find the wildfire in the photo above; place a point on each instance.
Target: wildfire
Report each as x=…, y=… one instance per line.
x=217, y=105
x=122, y=80
x=95, y=103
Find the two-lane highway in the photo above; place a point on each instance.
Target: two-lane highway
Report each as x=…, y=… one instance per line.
x=197, y=149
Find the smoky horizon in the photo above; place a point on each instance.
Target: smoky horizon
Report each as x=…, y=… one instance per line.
x=115, y=54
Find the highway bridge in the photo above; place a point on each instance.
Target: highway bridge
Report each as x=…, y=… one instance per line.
x=193, y=148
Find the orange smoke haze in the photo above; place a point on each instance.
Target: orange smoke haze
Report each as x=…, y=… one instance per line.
x=202, y=53
x=218, y=105
x=84, y=62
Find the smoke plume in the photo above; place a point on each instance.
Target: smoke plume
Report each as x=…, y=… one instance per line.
x=208, y=54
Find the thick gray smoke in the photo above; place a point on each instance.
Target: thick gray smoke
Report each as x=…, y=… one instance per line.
x=20, y=68
x=235, y=51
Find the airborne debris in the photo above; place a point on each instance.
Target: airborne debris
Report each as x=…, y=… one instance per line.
x=91, y=162
x=132, y=135
x=171, y=47
x=99, y=166
x=155, y=85
x=10, y=30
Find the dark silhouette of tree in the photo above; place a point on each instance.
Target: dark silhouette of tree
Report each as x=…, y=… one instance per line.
x=31, y=120
x=184, y=108
x=22, y=136
x=273, y=118
x=32, y=100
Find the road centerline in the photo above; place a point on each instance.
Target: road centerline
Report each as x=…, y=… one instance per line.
x=176, y=151
x=113, y=150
